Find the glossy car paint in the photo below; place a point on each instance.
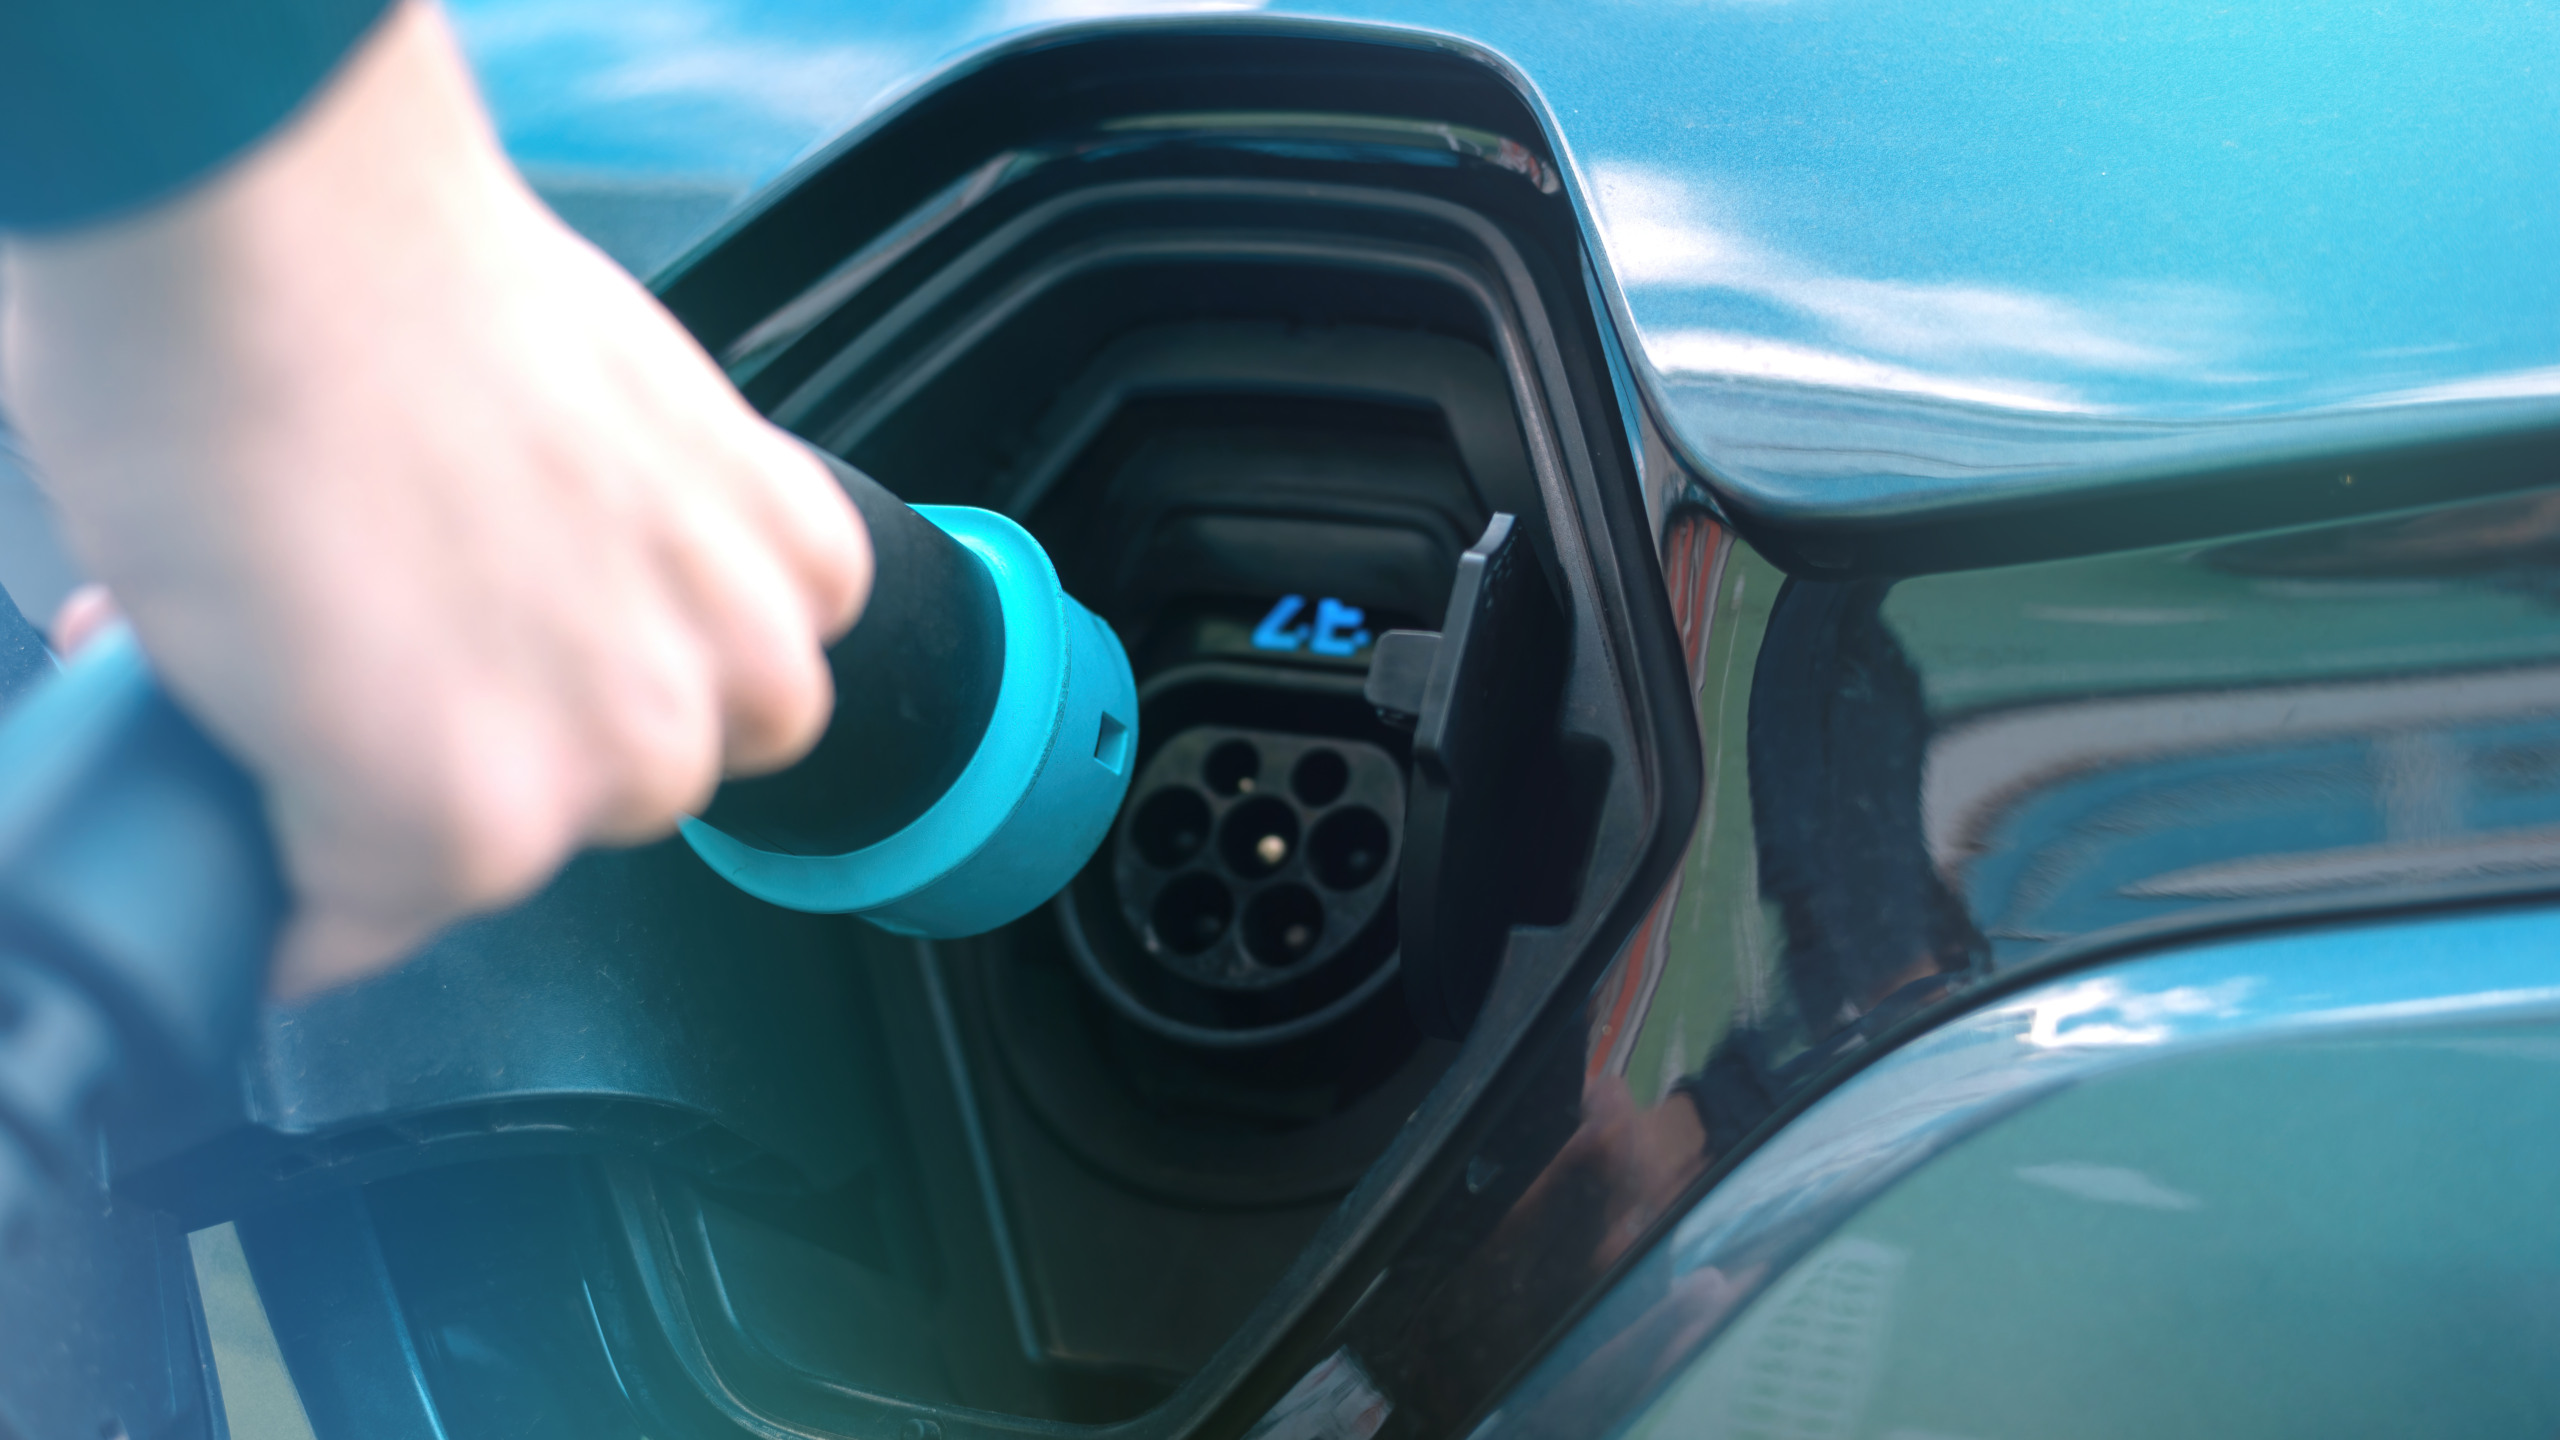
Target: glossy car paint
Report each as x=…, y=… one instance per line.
x=1858, y=279
x=2396, y=998
x=1959, y=782
x=1924, y=792
x=1872, y=259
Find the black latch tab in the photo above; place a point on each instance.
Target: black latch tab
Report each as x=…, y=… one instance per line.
x=1400, y=673
x=1487, y=703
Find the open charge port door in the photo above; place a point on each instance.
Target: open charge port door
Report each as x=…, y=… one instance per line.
x=1285, y=394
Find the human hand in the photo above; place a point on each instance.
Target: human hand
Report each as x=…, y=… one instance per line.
x=423, y=508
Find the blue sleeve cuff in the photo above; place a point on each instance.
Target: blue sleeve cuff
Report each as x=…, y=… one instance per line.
x=109, y=105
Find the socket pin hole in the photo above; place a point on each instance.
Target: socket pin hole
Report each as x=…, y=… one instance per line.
x=1320, y=777
x=1259, y=837
x=1349, y=848
x=1283, y=924
x=1191, y=913
x=1233, y=768
x=1171, y=827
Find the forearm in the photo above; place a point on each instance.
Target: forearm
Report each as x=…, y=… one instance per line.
x=423, y=508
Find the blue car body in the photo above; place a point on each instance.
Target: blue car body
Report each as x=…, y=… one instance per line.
x=1869, y=265
x=2031, y=910
x=1870, y=255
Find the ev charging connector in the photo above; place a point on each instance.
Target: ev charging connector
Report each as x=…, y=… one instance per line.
x=984, y=732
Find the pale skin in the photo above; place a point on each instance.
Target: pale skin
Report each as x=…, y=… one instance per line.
x=424, y=508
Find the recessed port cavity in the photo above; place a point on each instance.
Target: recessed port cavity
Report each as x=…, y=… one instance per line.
x=1234, y=767
x=1191, y=913
x=1350, y=848
x=1258, y=837
x=1035, y=799
x=1319, y=777
x=1170, y=826
x=1253, y=857
x=1283, y=925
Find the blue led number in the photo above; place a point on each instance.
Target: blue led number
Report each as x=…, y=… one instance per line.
x=1337, y=629
x=1275, y=632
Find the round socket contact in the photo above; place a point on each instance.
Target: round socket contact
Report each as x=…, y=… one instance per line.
x=1191, y=913
x=1259, y=837
x=1348, y=848
x=1320, y=777
x=1222, y=817
x=1171, y=827
x=1283, y=925
x=1233, y=768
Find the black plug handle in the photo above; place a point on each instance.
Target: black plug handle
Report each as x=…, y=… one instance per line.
x=140, y=898
x=916, y=684
x=141, y=894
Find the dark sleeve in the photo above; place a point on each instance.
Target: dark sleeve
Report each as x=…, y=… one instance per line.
x=23, y=658
x=108, y=105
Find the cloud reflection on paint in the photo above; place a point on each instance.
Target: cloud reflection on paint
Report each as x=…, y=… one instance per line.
x=2534, y=384
x=2108, y=1185
x=2110, y=1012
x=1717, y=352
x=823, y=88
x=688, y=77
x=1956, y=340
x=1011, y=13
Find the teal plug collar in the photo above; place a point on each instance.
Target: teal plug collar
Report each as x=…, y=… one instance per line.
x=1030, y=807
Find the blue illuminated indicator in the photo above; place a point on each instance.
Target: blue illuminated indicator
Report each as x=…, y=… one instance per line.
x=1336, y=629
x=1277, y=632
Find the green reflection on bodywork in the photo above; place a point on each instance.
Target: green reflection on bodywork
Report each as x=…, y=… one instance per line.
x=1722, y=939
x=2184, y=618
x=2328, y=1239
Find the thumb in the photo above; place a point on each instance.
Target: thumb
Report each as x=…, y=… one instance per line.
x=83, y=616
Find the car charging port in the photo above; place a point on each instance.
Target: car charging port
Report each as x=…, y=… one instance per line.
x=1246, y=900
x=1305, y=862
x=1256, y=381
